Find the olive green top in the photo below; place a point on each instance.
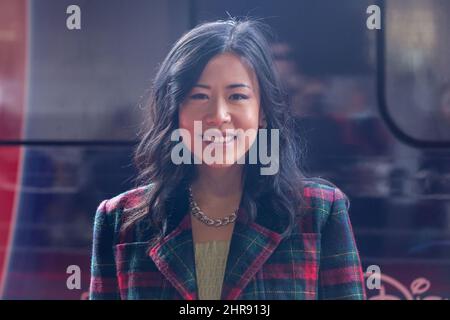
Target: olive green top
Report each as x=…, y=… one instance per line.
x=210, y=262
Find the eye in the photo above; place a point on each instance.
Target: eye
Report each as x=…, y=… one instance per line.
x=238, y=96
x=199, y=96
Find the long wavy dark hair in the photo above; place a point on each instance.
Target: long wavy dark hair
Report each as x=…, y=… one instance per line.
x=281, y=193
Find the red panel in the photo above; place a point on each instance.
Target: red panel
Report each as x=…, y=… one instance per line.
x=13, y=65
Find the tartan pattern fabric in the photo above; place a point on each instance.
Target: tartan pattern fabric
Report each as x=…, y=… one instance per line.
x=319, y=260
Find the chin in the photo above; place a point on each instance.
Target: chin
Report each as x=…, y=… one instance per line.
x=220, y=166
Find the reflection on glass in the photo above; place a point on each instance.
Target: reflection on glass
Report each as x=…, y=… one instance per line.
x=418, y=66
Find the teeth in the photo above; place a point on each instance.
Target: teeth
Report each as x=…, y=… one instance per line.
x=216, y=139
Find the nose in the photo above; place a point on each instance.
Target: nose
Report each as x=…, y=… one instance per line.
x=218, y=113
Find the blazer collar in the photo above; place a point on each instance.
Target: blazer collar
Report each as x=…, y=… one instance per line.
x=251, y=245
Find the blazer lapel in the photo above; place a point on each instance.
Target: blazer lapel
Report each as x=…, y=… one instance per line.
x=174, y=257
x=251, y=245
x=174, y=254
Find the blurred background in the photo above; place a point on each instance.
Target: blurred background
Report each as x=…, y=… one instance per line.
x=372, y=105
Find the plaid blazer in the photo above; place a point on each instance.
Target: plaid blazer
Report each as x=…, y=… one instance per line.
x=319, y=260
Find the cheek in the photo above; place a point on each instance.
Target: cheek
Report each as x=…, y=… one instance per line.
x=185, y=119
x=250, y=118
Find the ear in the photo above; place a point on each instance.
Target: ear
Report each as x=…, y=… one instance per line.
x=262, y=120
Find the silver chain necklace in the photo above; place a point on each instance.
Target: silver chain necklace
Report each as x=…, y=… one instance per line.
x=198, y=213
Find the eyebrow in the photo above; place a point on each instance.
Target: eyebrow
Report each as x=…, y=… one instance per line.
x=231, y=86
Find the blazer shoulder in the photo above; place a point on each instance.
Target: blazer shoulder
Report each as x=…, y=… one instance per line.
x=125, y=200
x=110, y=212
x=321, y=198
x=319, y=190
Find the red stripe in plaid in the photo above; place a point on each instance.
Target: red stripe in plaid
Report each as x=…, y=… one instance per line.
x=139, y=279
x=341, y=275
x=323, y=194
x=103, y=285
x=305, y=270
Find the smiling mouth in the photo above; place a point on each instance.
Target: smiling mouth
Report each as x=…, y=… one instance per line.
x=219, y=140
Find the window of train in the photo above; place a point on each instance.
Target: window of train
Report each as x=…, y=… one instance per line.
x=81, y=85
x=417, y=67
x=87, y=84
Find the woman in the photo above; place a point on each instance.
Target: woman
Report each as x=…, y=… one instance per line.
x=220, y=224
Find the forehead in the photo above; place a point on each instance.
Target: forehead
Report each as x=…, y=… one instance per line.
x=227, y=68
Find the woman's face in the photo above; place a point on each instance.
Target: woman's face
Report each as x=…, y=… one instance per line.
x=224, y=106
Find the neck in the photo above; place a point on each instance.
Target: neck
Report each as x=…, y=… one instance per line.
x=218, y=190
x=219, y=182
